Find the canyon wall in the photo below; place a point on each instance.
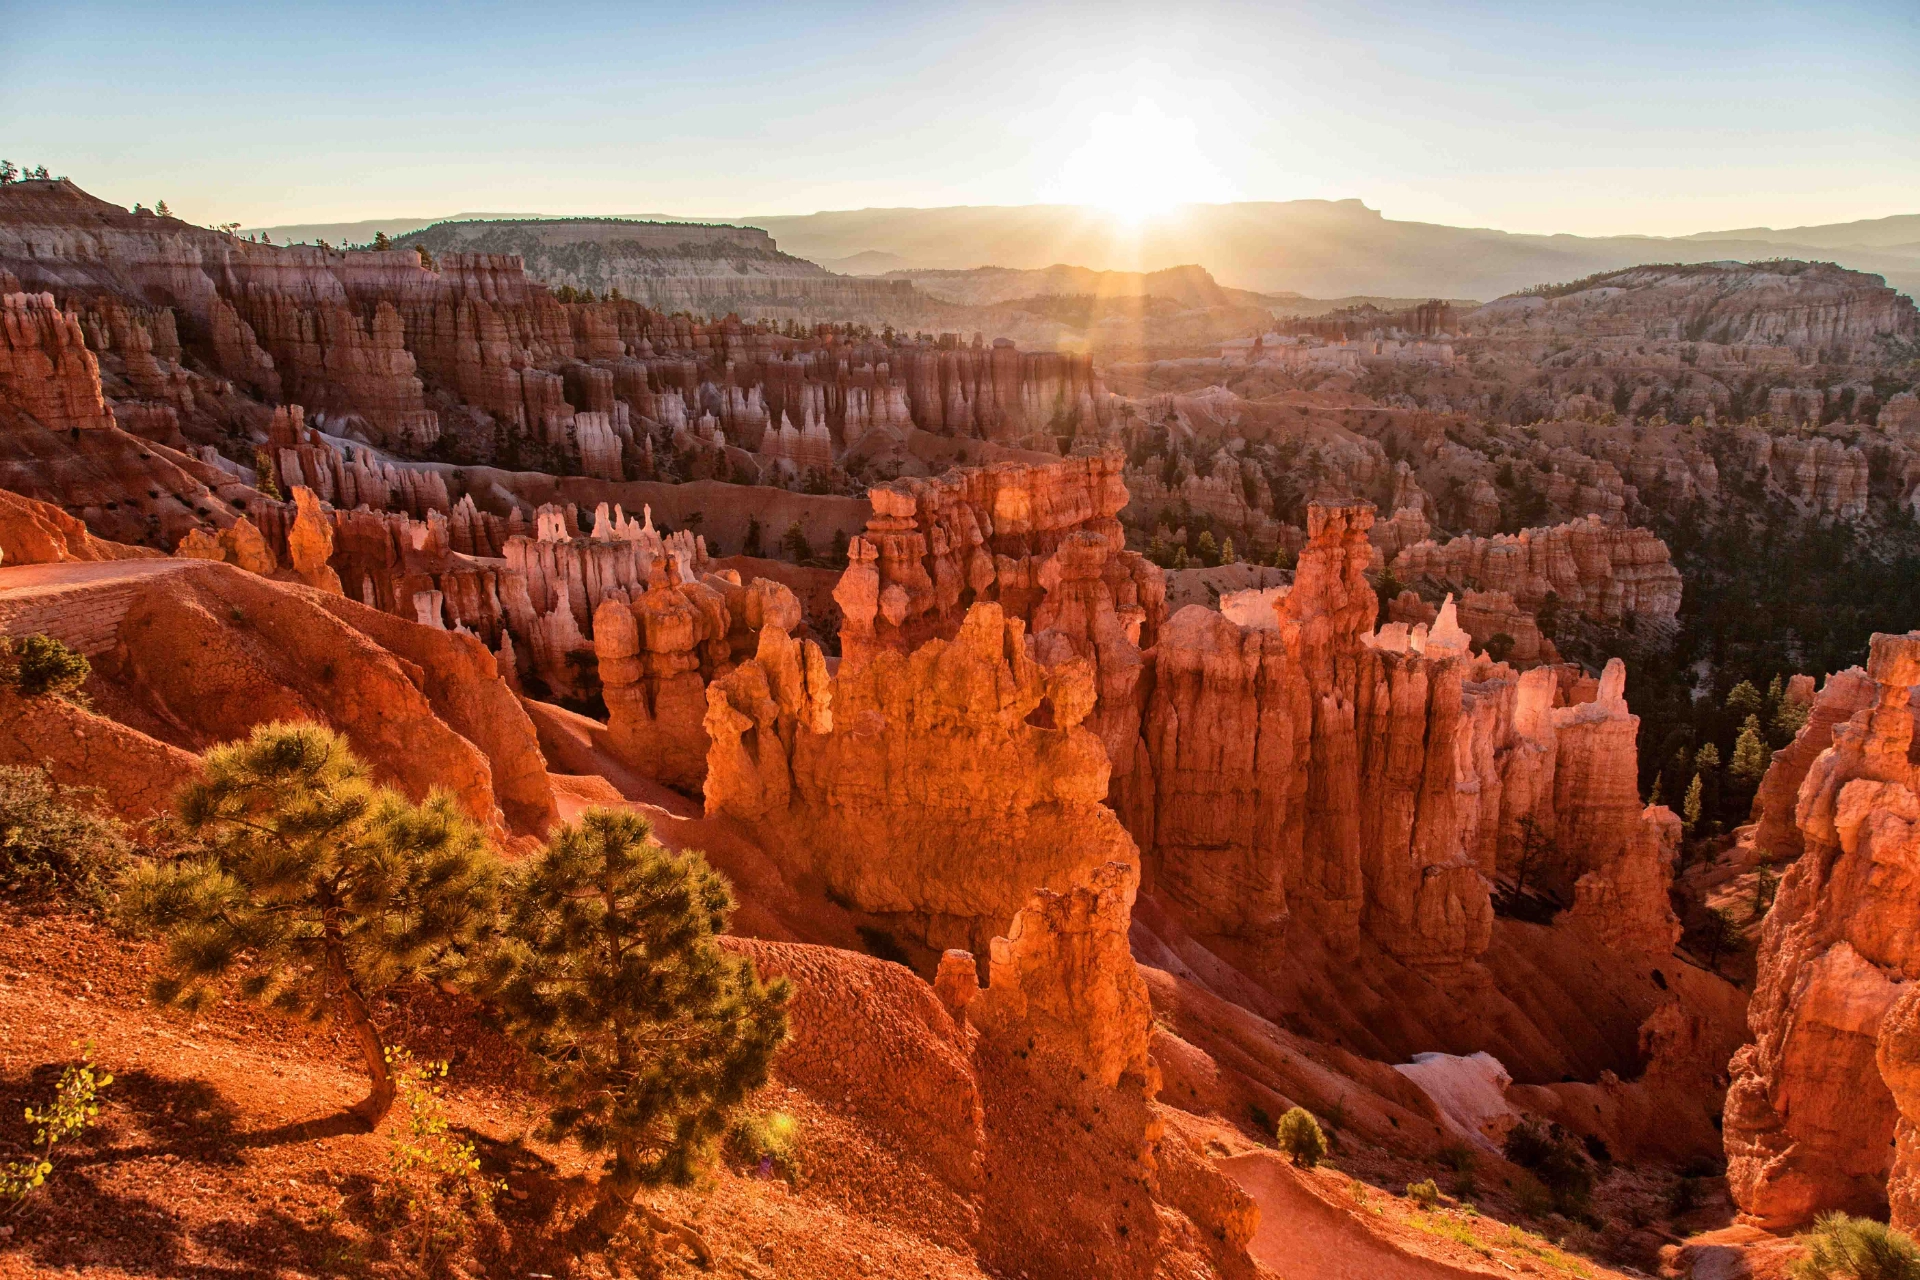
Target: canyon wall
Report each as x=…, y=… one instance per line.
x=1816, y=1117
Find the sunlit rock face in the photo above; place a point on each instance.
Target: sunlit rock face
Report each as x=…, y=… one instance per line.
x=1816, y=1118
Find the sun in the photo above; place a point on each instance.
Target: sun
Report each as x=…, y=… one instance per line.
x=1139, y=165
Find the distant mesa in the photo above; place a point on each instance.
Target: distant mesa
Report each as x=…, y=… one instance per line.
x=1319, y=248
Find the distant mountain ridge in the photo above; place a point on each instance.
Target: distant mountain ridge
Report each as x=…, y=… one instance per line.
x=1320, y=248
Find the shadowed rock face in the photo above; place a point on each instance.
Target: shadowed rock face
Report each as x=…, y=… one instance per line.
x=1816, y=1118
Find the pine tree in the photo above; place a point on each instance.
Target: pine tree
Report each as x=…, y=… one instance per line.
x=1750, y=753
x=1788, y=718
x=1226, y=552
x=1743, y=699
x=380, y=240
x=752, y=545
x=1207, y=549
x=647, y=1034
x=794, y=543
x=162, y=210
x=1690, y=807
x=316, y=887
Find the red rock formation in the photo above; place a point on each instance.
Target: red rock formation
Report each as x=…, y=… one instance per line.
x=211, y=676
x=1063, y=984
x=1486, y=614
x=1811, y=1122
x=195, y=654
x=657, y=653
x=1776, y=834
x=1597, y=570
x=888, y=781
x=38, y=533
x=45, y=367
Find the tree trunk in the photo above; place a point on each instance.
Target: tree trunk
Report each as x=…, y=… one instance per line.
x=615, y=1203
x=373, y=1108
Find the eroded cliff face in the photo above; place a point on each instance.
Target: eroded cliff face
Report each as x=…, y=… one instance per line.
x=402, y=352
x=1600, y=571
x=1378, y=781
x=1814, y=1117
x=1776, y=833
x=919, y=787
x=45, y=367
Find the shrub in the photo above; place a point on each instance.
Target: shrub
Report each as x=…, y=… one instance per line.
x=52, y=848
x=1301, y=1139
x=648, y=1035
x=1532, y=1197
x=1459, y=1157
x=432, y=1172
x=1844, y=1248
x=1684, y=1197
x=1555, y=1157
x=38, y=665
x=75, y=1106
x=313, y=884
x=770, y=1142
x=1424, y=1193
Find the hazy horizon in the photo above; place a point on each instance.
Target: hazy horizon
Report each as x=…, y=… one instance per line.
x=1587, y=119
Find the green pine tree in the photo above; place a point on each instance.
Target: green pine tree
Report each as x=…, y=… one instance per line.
x=1226, y=552
x=314, y=887
x=1788, y=718
x=647, y=1034
x=1744, y=700
x=1690, y=807
x=1750, y=753
x=1207, y=549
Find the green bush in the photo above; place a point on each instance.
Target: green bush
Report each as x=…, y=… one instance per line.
x=50, y=847
x=769, y=1142
x=1300, y=1137
x=1424, y=1193
x=38, y=665
x=1555, y=1157
x=1844, y=1248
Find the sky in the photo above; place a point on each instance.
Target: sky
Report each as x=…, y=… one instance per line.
x=1588, y=118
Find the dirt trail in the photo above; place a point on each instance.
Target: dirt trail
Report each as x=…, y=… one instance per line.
x=1302, y=1235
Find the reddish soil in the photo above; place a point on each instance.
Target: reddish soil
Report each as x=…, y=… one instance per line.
x=219, y=1152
